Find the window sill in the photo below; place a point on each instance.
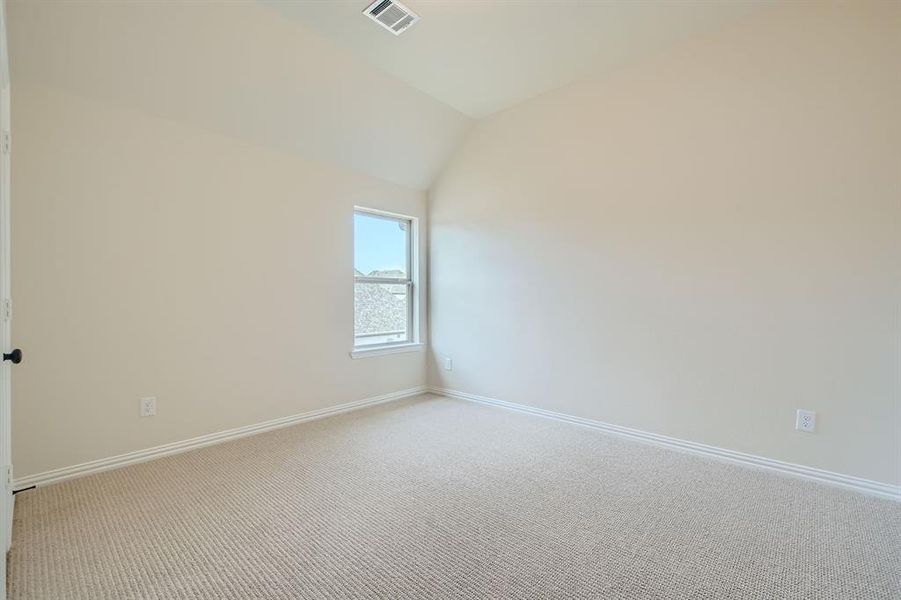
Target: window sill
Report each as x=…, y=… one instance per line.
x=383, y=350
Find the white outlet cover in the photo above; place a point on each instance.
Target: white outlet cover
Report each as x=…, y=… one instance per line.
x=448, y=364
x=148, y=406
x=806, y=420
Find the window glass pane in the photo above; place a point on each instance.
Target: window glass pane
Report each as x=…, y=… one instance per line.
x=380, y=246
x=380, y=313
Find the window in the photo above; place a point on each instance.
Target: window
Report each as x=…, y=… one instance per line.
x=384, y=294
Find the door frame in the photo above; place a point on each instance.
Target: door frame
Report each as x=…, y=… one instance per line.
x=6, y=497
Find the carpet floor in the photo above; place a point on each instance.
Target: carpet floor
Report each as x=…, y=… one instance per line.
x=437, y=498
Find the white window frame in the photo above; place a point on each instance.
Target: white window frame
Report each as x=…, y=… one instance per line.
x=412, y=342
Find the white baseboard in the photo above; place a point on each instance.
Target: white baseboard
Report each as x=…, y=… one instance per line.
x=866, y=486
x=130, y=458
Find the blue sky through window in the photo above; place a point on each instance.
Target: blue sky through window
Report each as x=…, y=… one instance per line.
x=379, y=244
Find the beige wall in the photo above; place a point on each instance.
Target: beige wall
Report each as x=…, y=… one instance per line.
x=154, y=258
x=696, y=246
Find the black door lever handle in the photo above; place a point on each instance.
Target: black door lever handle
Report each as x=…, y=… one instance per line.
x=15, y=356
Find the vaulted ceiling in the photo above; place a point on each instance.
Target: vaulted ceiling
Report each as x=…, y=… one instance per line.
x=481, y=56
x=322, y=80
x=240, y=69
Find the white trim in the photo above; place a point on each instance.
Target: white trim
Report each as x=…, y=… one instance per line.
x=867, y=486
x=122, y=460
x=413, y=280
x=382, y=280
x=364, y=352
x=385, y=214
x=7, y=501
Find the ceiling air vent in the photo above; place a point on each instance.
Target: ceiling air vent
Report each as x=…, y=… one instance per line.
x=392, y=15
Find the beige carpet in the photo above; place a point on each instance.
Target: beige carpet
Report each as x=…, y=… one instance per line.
x=435, y=498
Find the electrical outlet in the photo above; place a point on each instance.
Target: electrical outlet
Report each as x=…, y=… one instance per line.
x=148, y=407
x=448, y=364
x=806, y=420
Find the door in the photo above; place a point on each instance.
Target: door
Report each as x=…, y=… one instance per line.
x=6, y=497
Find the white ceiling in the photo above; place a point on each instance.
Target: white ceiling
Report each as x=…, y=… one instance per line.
x=240, y=69
x=481, y=56
x=319, y=79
